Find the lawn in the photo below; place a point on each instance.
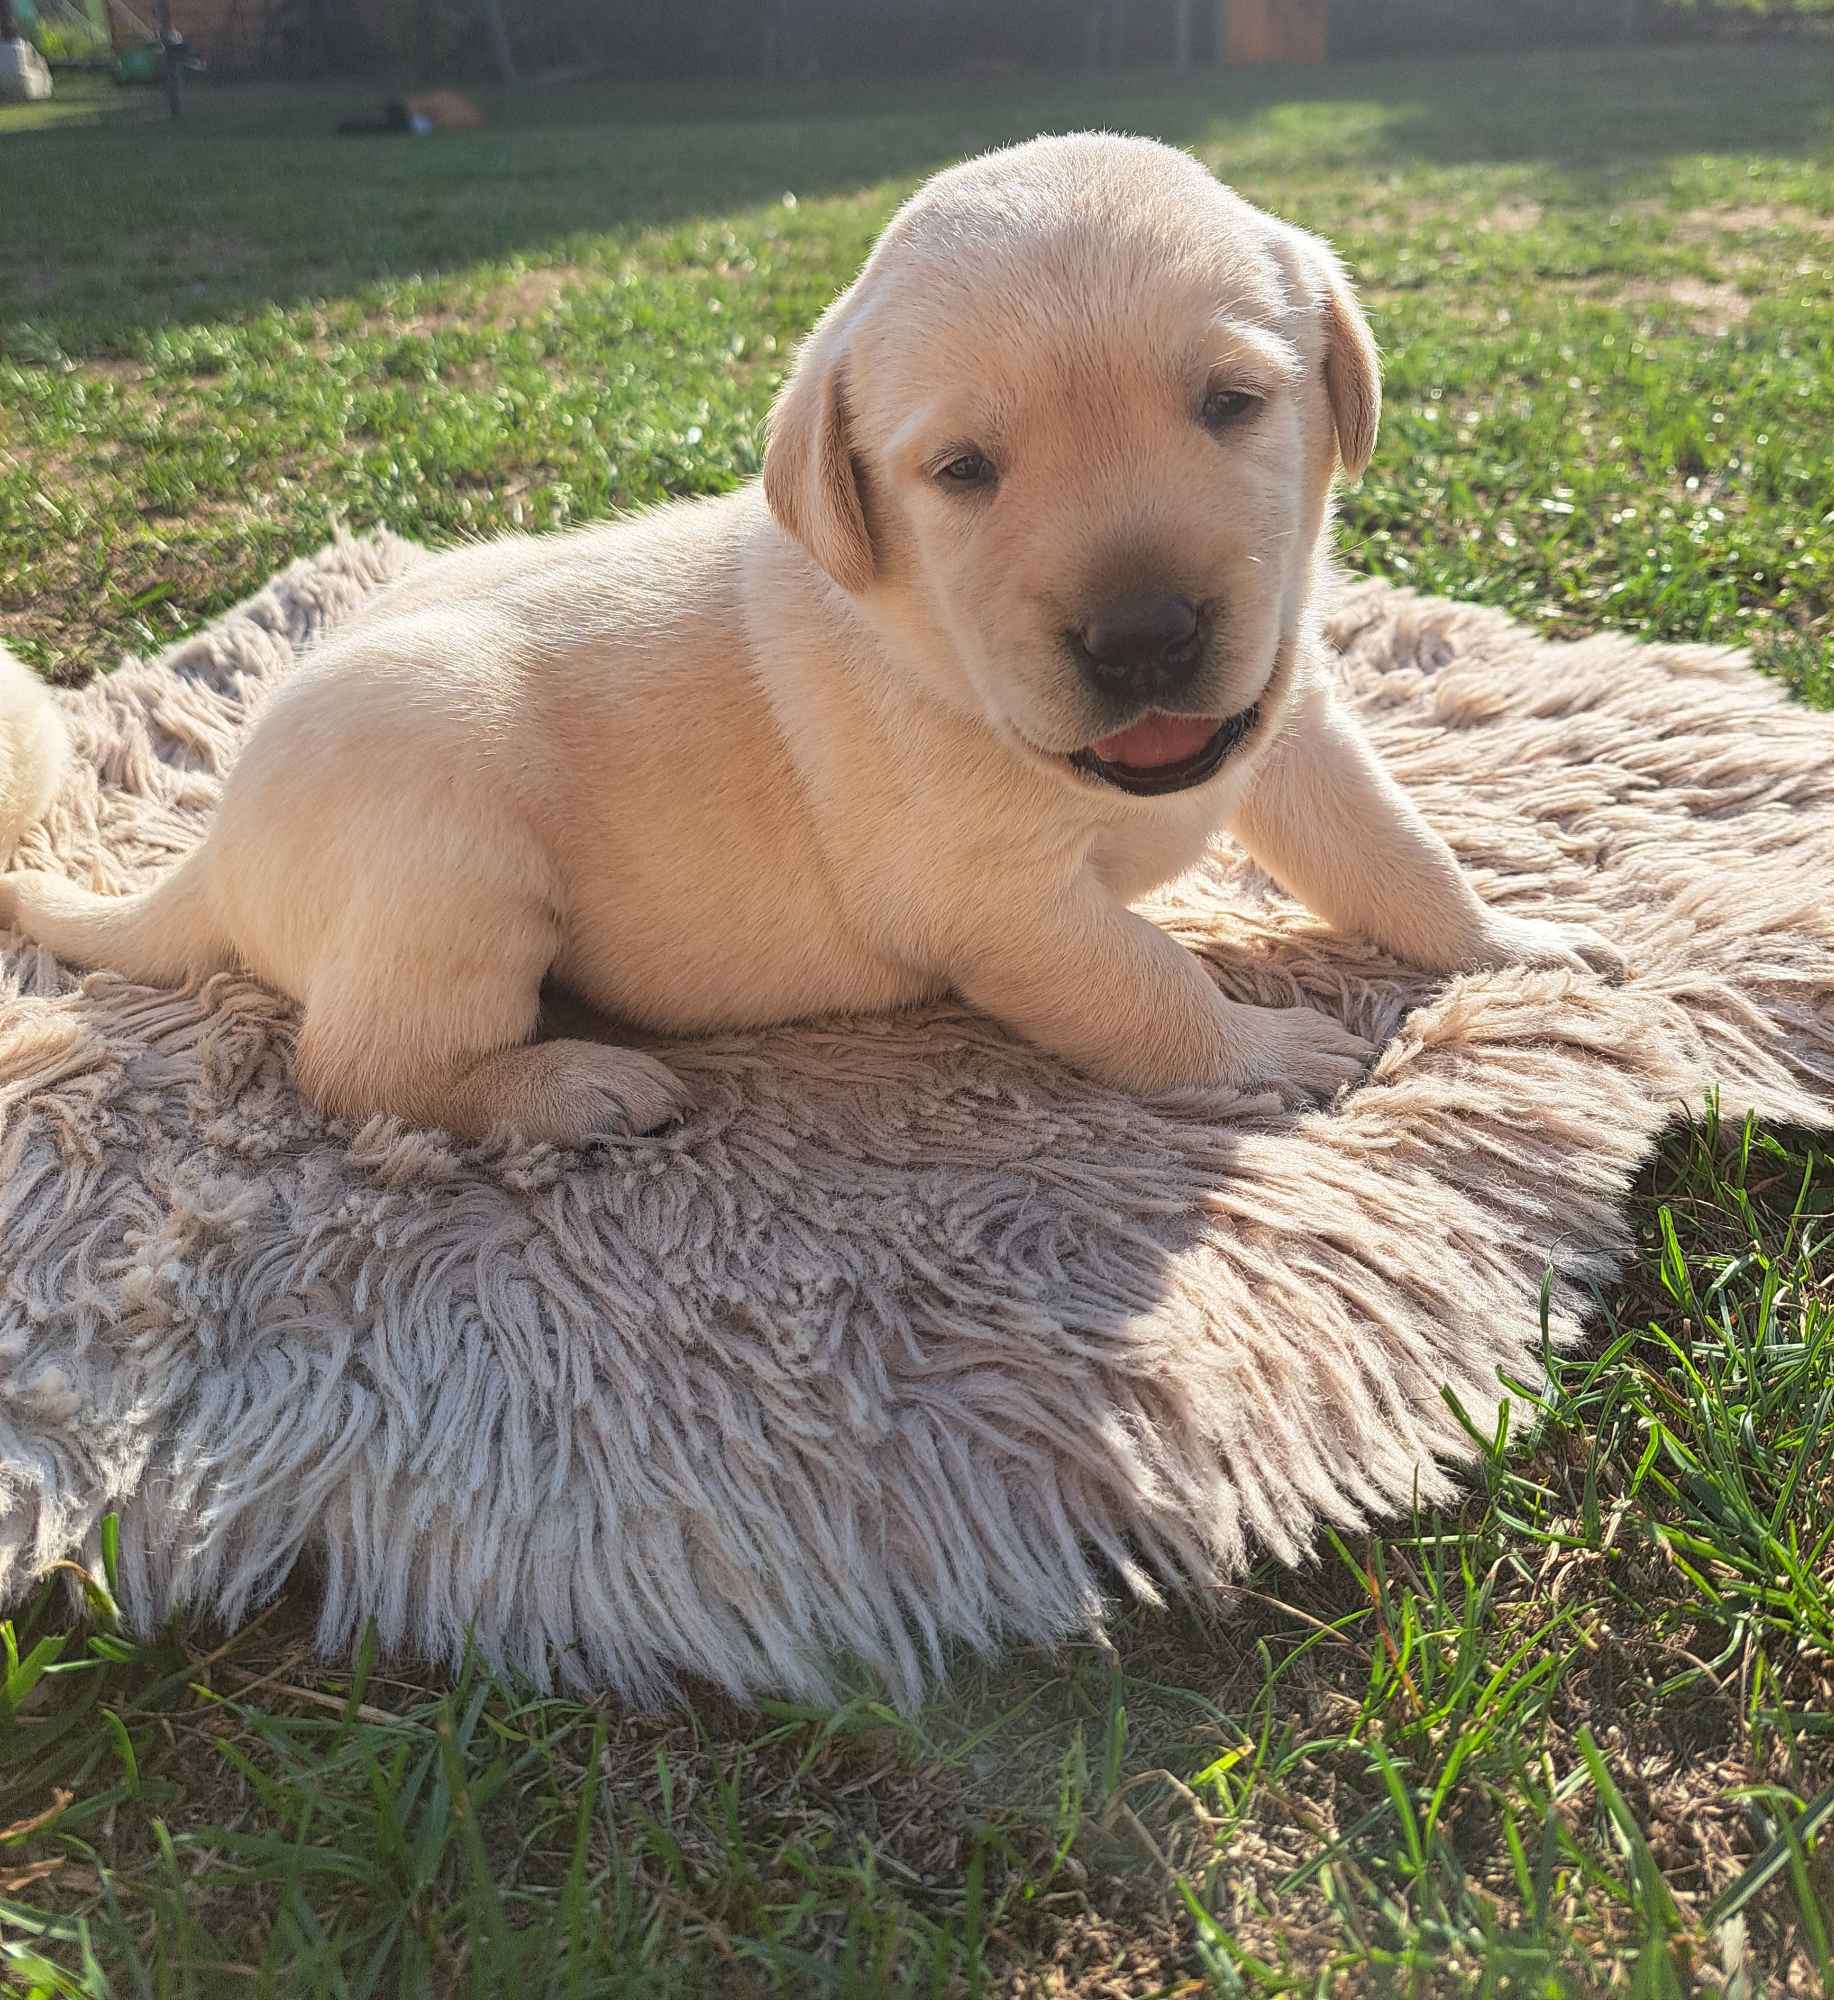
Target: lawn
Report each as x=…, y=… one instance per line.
x=1575, y=1737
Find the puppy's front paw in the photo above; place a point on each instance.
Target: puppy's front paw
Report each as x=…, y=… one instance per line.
x=1305, y=1056
x=1534, y=941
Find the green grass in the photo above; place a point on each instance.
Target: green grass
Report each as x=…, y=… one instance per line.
x=1575, y=1738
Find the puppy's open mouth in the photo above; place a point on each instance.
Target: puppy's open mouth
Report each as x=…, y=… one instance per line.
x=1165, y=753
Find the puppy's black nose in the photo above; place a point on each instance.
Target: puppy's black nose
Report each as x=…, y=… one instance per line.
x=1145, y=647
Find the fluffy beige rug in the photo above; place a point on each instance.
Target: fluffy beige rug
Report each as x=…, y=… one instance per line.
x=909, y=1336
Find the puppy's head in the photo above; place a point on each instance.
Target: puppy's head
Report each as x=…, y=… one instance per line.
x=1073, y=429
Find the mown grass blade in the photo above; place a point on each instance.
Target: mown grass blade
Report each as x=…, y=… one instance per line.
x=1773, y=1861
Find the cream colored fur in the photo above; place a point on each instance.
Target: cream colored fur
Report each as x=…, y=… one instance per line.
x=33, y=751
x=805, y=748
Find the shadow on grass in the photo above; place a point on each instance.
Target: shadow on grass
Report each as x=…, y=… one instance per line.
x=118, y=223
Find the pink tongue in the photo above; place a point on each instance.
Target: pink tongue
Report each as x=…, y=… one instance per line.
x=1159, y=740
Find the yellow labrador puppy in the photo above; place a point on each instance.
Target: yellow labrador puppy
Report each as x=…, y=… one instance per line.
x=1024, y=610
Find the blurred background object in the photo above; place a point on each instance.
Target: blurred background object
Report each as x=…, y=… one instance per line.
x=502, y=40
x=24, y=75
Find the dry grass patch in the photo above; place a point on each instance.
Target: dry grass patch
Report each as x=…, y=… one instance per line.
x=1713, y=308
x=1514, y=217
x=1753, y=216
x=507, y=303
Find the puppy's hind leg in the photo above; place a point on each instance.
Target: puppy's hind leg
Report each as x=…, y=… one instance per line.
x=435, y=1028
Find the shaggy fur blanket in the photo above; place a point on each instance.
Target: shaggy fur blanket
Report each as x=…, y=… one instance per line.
x=908, y=1336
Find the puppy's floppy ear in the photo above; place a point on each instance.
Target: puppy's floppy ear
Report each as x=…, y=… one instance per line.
x=809, y=478
x=1353, y=370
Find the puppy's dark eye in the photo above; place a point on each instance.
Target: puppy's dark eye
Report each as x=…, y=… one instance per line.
x=1224, y=407
x=970, y=469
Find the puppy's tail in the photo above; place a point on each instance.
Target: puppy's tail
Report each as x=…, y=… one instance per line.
x=161, y=937
x=33, y=752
